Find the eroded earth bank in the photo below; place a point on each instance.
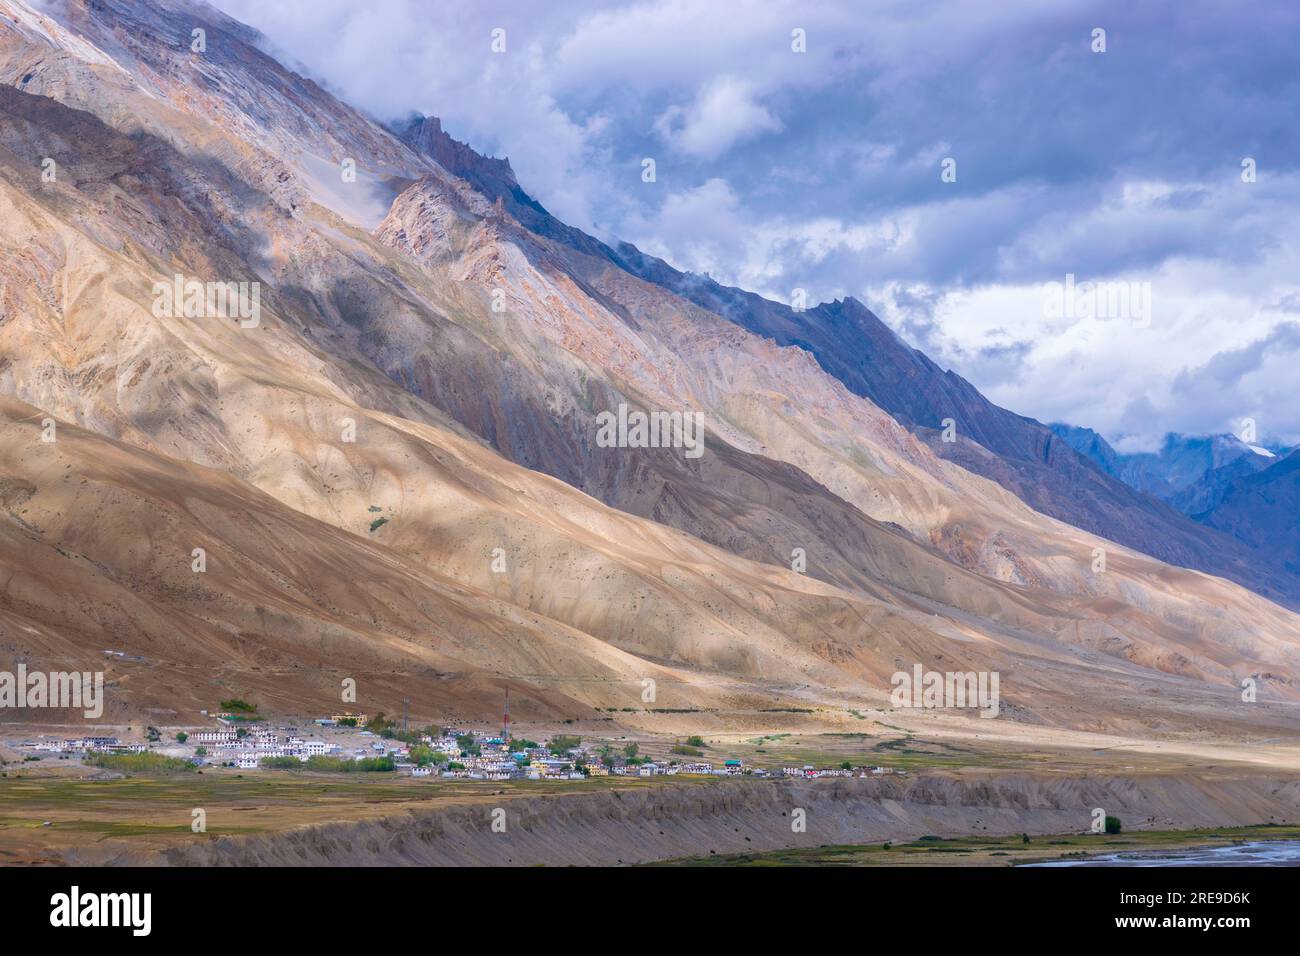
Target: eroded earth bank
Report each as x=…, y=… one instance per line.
x=611, y=826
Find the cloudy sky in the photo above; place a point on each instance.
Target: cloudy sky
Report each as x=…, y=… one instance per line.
x=823, y=170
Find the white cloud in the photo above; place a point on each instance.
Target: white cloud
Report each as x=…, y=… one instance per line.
x=1214, y=353
x=724, y=113
x=700, y=228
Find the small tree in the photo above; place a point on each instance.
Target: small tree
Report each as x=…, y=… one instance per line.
x=381, y=725
x=1113, y=825
x=422, y=756
x=182, y=737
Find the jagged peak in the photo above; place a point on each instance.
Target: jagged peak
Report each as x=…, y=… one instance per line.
x=425, y=134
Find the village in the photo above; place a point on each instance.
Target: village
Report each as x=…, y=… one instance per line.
x=351, y=742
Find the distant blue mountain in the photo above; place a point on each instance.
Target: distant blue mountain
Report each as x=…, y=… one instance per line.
x=1191, y=472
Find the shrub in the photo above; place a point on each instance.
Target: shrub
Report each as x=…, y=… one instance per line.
x=280, y=763
x=379, y=724
x=139, y=763
x=360, y=765
x=1113, y=825
x=422, y=756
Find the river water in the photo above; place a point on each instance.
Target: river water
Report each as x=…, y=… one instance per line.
x=1258, y=853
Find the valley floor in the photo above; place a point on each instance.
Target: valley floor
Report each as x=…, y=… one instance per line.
x=959, y=803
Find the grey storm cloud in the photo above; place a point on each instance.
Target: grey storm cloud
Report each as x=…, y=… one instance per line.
x=1227, y=368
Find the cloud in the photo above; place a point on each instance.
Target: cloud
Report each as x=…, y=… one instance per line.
x=1227, y=368
x=725, y=113
x=701, y=227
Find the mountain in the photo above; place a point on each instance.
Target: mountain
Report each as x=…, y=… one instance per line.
x=1188, y=471
x=1200, y=487
x=1243, y=490
x=849, y=342
x=1091, y=445
x=1261, y=509
x=1192, y=473
x=396, y=475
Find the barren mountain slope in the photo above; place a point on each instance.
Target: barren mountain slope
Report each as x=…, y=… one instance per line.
x=775, y=404
x=850, y=343
x=98, y=547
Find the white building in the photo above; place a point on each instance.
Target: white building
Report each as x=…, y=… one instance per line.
x=213, y=738
x=696, y=768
